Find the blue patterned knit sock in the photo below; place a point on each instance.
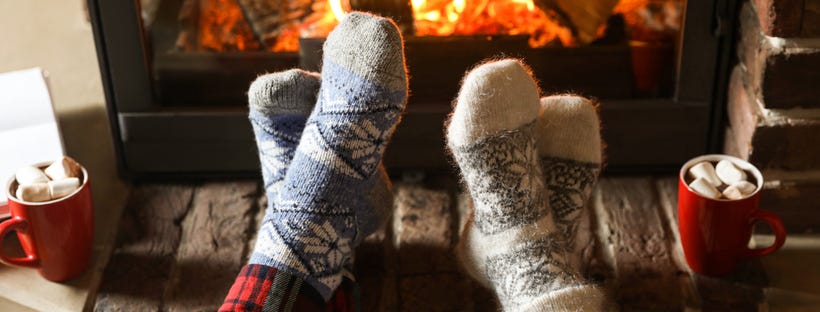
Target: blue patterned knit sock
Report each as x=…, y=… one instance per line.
x=280, y=104
x=317, y=216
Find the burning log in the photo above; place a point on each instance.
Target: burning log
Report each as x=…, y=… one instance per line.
x=399, y=10
x=584, y=17
x=277, y=23
x=214, y=25
x=188, y=18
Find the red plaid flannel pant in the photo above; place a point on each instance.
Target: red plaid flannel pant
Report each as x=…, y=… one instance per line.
x=264, y=288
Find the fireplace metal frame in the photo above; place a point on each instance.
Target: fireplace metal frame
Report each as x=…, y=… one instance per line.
x=642, y=135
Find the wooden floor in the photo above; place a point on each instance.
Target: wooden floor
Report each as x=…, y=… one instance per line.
x=181, y=245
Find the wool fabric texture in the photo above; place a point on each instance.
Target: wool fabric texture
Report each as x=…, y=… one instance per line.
x=319, y=212
x=569, y=145
x=264, y=288
x=279, y=105
x=512, y=243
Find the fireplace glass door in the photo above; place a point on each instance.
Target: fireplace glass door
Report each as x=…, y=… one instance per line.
x=176, y=71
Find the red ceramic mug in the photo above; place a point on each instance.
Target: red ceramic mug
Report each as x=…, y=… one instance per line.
x=715, y=232
x=56, y=235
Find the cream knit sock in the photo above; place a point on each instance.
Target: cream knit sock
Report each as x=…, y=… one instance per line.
x=569, y=143
x=511, y=245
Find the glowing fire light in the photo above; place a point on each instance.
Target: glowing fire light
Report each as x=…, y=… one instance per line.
x=338, y=11
x=223, y=28
x=478, y=17
x=459, y=5
x=487, y=17
x=528, y=3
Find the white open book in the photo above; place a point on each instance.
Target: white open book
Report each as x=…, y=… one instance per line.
x=28, y=129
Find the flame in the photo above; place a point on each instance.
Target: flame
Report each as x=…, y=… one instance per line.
x=473, y=17
x=458, y=5
x=338, y=11
x=488, y=17
x=649, y=20
x=222, y=27
x=530, y=5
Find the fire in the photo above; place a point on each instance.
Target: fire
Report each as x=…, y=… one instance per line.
x=459, y=5
x=651, y=20
x=487, y=17
x=222, y=27
x=481, y=17
x=338, y=12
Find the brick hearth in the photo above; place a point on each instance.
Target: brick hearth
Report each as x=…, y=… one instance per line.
x=774, y=105
x=789, y=18
x=181, y=245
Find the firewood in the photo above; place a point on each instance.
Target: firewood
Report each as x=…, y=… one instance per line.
x=399, y=10
x=270, y=19
x=583, y=17
x=188, y=18
x=214, y=25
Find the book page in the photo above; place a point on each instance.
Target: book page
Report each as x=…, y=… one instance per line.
x=29, y=133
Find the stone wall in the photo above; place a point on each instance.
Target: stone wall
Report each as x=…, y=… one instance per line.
x=774, y=104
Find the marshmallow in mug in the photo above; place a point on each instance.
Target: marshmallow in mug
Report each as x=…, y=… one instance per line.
x=62, y=187
x=35, y=192
x=706, y=171
x=705, y=188
x=30, y=175
x=63, y=168
x=729, y=173
x=40, y=192
x=739, y=190
x=35, y=186
x=745, y=187
x=732, y=192
x=708, y=179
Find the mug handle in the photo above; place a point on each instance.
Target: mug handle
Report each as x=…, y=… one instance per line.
x=16, y=224
x=779, y=233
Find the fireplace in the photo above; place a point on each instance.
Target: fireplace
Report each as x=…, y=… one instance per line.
x=175, y=72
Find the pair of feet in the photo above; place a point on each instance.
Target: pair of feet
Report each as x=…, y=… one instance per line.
x=529, y=165
x=321, y=140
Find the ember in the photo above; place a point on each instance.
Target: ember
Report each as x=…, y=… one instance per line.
x=277, y=25
x=487, y=17
x=651, y=20
x=222, y=27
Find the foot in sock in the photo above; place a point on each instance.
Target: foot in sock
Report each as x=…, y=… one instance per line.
x=512, y=244
x=320, y=210
x=279, y=105
x=569, y=144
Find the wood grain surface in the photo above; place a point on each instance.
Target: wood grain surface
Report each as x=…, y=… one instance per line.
x=181, y=245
